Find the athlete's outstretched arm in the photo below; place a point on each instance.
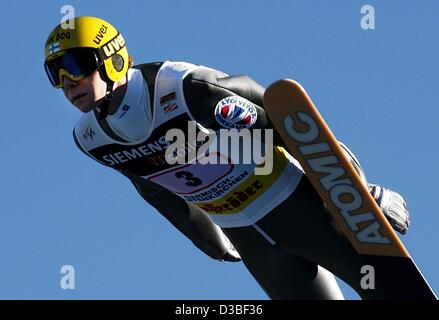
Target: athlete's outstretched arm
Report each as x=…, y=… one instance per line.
x=190, y=220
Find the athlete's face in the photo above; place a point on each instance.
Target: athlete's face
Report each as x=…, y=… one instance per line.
x=86, y=93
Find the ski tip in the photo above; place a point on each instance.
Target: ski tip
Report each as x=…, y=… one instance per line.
x=286, y=80
x=284, y=85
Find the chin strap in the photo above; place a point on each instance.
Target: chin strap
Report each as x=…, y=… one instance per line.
x=103, y=113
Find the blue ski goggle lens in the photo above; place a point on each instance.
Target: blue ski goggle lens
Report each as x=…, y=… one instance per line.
x=75, y=64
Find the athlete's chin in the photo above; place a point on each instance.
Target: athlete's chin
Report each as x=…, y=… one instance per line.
x=85, y=106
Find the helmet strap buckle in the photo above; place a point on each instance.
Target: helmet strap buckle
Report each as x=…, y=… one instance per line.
x=107, y=99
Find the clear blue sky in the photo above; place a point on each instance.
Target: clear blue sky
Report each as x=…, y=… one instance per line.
x=378, y=90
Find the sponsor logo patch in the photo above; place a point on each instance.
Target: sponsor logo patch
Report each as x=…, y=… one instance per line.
x=235, y=112
x=114, y=45
x=168, y=102
x=88, y=133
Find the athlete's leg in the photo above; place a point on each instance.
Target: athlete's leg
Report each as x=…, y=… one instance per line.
x=282, y=275
x=302, y=226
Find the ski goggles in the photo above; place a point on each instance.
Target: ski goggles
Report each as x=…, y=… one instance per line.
x=75, y=64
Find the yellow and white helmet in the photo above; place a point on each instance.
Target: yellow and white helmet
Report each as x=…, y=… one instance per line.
x=93, y=44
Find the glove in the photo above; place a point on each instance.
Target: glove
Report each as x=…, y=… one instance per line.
x=232, y=256
x=393, y=206
x=217, y=246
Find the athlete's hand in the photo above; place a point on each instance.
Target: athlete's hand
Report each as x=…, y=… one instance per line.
x=232, y=255
x=393, y=206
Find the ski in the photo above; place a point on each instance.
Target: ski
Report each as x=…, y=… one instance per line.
x=310, y=140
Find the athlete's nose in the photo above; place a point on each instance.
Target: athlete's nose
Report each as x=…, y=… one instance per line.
x=67, y=82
